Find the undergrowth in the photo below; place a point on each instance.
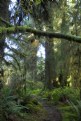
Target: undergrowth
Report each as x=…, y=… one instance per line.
x=14, y=107
x=67, y=99
x=60, y=95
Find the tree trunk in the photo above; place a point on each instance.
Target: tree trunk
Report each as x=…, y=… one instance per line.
x=4, y=15
x=64, y=68
x=50, y=65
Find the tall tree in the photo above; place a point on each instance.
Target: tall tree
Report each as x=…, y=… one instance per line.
x=4, y=14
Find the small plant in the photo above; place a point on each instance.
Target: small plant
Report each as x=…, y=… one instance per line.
x=8, y=105
x=71, y=111
x=77, y=109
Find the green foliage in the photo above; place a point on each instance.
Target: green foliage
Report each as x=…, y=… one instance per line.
x=34, y=85
x=16, y=105
x=33, y=107
x=77, y=109
x=62, y=95
x=67, y=113
x=8, y=105
x=71, y=111
x=25, y=86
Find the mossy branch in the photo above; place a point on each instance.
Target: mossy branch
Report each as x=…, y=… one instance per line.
x=24, y=29
x=21, y=55
x=10, y=55
x=10, y=63
x=5, y=22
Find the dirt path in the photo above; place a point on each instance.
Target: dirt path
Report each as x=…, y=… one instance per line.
x=53, y=114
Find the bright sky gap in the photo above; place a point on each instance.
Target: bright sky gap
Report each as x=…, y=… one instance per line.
x=41, y=49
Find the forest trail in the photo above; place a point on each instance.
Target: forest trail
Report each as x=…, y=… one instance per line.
x=53, y=113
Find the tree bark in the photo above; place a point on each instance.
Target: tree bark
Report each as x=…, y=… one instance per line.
x=50, y=65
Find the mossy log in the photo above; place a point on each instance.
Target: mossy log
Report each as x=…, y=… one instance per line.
x=24, y=29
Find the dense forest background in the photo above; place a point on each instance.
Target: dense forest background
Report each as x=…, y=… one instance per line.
x=40, y=60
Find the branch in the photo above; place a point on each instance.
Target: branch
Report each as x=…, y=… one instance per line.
x=9, y=63
x=12, y=56
x=5, y=22
x=24, y=29
x=21, y=55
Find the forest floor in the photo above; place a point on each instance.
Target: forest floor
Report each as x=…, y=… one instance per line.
x=49, y=112
x=53, y=113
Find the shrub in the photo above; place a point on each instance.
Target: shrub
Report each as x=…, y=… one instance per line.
x=8, y=105
x=62, y=95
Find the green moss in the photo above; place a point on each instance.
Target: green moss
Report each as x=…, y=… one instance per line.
x=15, y=29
